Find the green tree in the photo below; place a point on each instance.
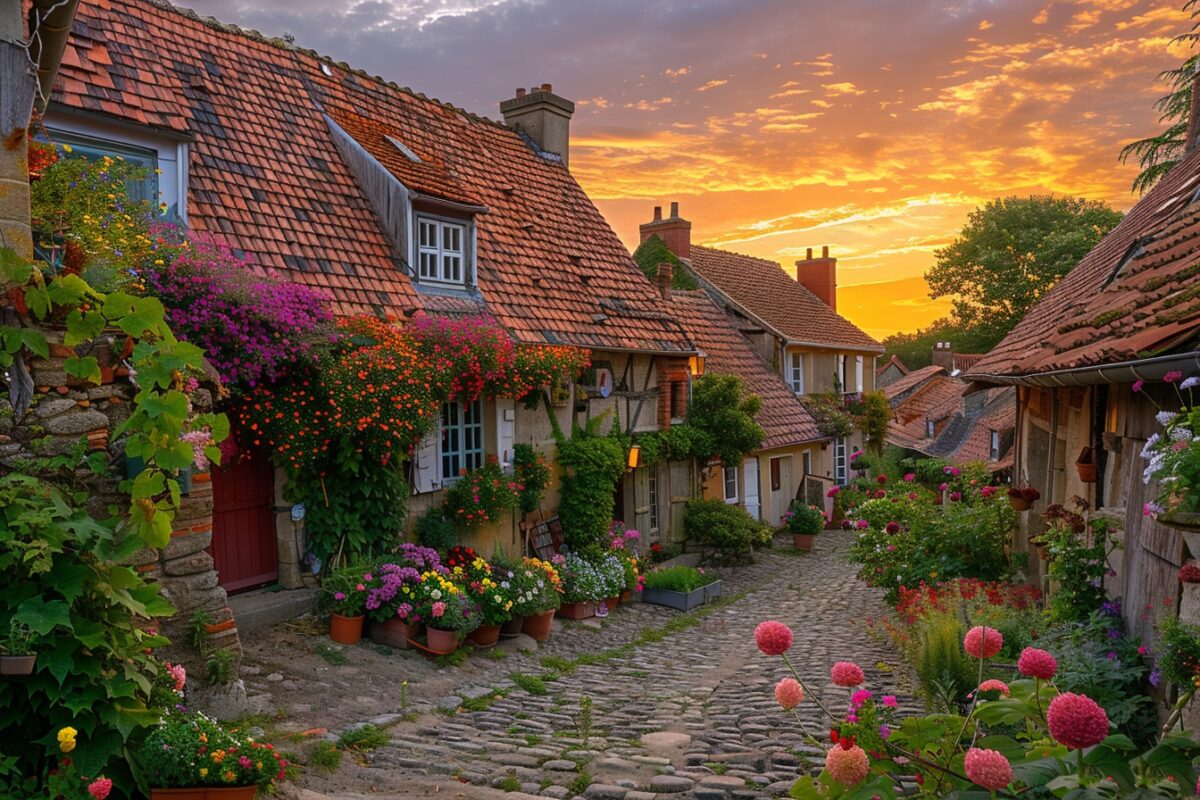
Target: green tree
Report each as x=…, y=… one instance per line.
x=872, y=417
x=1010, y=253
x=724, y=411
x=1156, y=155
x=916, y=349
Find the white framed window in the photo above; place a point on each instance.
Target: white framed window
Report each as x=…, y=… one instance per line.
x=796, y=373
x=652, y=484
x=462, y=438
x=858, y=374
x=840, y=474
x=806, y=462
x=841, y=373
x=441, y=250
x=994, y=450
x=731, y=485
x=930, y=428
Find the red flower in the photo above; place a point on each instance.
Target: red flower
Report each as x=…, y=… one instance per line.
x=1035, y=663
x=1076, y=721
x=982, y=642
x=773, y=637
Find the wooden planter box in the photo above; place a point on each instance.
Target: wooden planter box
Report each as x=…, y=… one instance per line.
x=684, y=601
x=583, y=610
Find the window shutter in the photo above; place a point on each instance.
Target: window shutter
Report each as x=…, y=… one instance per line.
x=506, y=417
x=425, y=463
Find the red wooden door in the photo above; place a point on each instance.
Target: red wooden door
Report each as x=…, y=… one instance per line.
x=243, y=543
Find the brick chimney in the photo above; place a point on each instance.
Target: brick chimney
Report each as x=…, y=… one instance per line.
x=819, y=276
x=674, y=230
x=665, y=274
x=542, y=116
x=943, y=356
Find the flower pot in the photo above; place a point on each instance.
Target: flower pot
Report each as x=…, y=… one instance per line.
x=485, y=635
x=395, y=632
x=1020, y=503
x=537, y=627
x=193, y=793
x=512, y=628
x=1086, y=464
x=611, y=602
x=627, y=596
x=440, y=641
x=582, y=610
x=346, y=630
x=802, y=541
x=230, y=792
x=17, y=665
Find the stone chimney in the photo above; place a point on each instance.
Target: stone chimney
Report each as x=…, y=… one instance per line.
x=542, y=116
x=819, y=276
x=665, y=274
x=943, y=356
x=674, y=230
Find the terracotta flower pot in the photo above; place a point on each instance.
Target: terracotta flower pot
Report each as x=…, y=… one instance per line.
x=485, y=635
x=612, y=602
x=802, y=541
x=1086, y=464
x=441, y=642
x=627, y=596
x=512, y=628
x=346, y=630
x=230, y=792
x=1020, y=503
x=394, y=632
x=193, y=793
x=17, y=665
x=582, y=610
x=537, y=627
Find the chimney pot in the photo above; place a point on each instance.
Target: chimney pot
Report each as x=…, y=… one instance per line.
x=547, y=87
x=809, y=256
x=675, y=210
x=825, y=251
x=819, y=276
x=520, y=92
x=675, y=231
x=657, y=213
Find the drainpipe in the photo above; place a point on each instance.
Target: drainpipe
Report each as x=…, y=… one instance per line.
x=49, y=25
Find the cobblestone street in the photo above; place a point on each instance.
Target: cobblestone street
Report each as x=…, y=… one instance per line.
x=689, y=715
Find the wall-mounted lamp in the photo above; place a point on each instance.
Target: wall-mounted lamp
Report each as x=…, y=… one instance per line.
x=696, y=364
x=635, y=456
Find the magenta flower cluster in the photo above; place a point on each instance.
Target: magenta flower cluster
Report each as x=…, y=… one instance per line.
x=391, y=578
x=423, y=559
x=251, y=325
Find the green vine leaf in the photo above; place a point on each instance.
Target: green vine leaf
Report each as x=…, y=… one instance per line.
x=14, y=270
x=86, y=368
x=82, y=326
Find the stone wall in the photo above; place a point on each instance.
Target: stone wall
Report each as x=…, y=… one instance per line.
x=65, y=411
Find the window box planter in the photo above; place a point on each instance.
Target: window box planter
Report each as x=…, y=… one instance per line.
x=684, y=601
x=17, y=665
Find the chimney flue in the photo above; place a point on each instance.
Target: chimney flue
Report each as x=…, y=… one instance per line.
x=819, y=276
x=520, y=91
x=675, y=210
x=542, y=116
x=547, y=87
x=675, y=231
x=825, y=251
x=658, y=213
x=808, y=257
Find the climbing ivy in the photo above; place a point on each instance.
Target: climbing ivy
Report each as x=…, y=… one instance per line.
x=653, y=252
x=591, y=465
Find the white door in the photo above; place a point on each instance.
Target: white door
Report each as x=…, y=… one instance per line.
x=750, y=492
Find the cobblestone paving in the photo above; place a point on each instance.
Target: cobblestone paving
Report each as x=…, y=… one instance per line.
x=689, y=716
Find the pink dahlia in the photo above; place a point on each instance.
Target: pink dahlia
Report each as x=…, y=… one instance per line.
x=993, y=685
x=988, y=768
x=982, y=642
x=847, y=766
x=789, y=693
x=1076, y=720
x=100, y=788
x=1035, y=663
x=773, y=637
x=847, y=673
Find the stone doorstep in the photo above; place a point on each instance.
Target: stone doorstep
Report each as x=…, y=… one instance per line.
x=263, y=608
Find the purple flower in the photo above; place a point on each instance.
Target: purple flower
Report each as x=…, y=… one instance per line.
x=1137, y=385
x=1155, y=678
x=340, y=596
x=1173, y=376
x=884, y=731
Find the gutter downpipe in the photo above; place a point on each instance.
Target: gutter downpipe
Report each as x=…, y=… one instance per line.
x=1145, y=369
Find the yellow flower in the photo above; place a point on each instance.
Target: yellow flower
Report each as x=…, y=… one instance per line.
x=67, y=148
x=218, y=756
x=203, y=772
x=66, y=739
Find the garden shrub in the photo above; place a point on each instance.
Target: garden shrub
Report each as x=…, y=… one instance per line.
x=725, y=528
x=480, y=497
x=945, y=672
x=591, y=465
x=435, y=531
x=532, y=475
x=805, y=519
x=723, y=411
x=1078, y=562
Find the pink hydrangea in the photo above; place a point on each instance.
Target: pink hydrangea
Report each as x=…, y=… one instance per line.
x=847, y=765
x=1035, y=663
x=437, y=609
x=982, y=642
x=773, y=637
x=847, y=673
x=988, y=768
x=100, y=788
x=994, y=685
x=789, y=693
x=1076, y=721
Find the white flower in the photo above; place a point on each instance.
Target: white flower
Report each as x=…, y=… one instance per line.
x=1181, y=435
x=1190, y=383
x=1165, y=418
x=436, y=594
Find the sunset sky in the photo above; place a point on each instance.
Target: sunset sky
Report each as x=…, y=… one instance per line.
x=871, y=126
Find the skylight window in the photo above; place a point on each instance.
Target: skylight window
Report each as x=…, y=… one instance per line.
x=403, y=148
x=1135, y=251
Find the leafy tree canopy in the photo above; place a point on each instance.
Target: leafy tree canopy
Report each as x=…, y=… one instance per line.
x=916, y=349
x=1009, y=254
x=653, y=252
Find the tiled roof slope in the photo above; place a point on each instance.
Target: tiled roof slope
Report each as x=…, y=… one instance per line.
x=894, y=361
x=266, y=177
x=763, y=289
x=1137, y=292
x=783, y=418
x=911, y=381
x=964, y=425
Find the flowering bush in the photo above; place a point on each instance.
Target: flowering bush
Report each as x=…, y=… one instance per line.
x=391, y=592
x=538, y=587
x=481, y=496
x=346, y=590
x=442, y=604
x=582, y=580
x=191, y=749
x=532, y=476
x=612, y=574
x=804, y=519
x=1174, y=454
x=1079, y=552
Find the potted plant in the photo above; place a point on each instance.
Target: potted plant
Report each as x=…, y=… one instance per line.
x=347, y=590
x=449, y=615
x=583, y=587
x=1174, y=461
x=16, y=654
x=804, y=522
x=493, y=601
x=539, y=594
x=612, y=573
x=178, y=760
x=1022, y=498
x=1086, y=465
x=680, y=587
x=390, y=604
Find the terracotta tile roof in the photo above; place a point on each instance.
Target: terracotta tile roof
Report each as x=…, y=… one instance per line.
x=266, y=177
x=894, y=361
x=1137, y=293
x=964, y=361
x=963, y=423
x=783, y=418
x=903, y=385
x=761, y=288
